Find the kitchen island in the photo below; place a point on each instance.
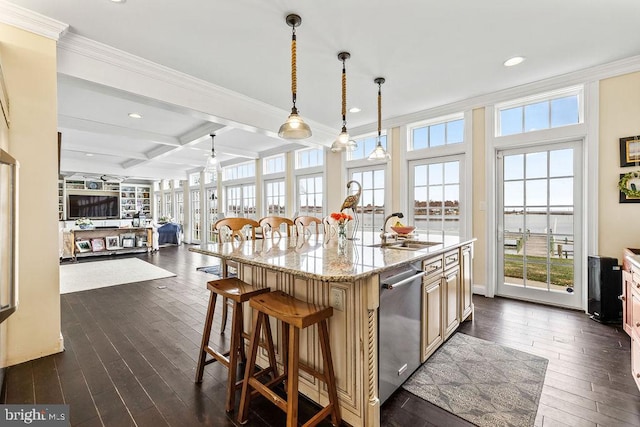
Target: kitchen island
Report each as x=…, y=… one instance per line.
x=346, y=276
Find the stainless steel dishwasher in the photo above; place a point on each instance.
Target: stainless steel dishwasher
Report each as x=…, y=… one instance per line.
x=399, y=318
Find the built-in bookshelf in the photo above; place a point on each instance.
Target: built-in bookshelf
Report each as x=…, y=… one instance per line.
x=132, y=198
x=60, y=200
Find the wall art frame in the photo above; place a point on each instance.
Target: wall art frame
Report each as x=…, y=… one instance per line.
x=629, y=186
x=630, y=151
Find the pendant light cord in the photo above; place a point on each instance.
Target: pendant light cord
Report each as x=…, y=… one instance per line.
x=294, y=76
x=379, y=110
x=344, y=94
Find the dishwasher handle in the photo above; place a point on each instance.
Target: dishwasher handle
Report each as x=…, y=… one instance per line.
x=390, y=286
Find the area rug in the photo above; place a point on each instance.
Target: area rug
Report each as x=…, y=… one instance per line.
x=482, y=382
x=99, y=274
x=212, y=269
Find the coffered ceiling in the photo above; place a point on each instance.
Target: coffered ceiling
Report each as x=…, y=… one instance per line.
x=431, y=53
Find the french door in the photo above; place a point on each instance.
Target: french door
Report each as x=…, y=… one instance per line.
x=540, y=224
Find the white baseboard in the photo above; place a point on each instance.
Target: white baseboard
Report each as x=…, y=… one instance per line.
x=479, y=290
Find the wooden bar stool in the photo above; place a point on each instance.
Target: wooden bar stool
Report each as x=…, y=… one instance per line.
x=237, y=291
x=294, y=315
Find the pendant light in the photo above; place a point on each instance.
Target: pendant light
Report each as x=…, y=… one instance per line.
x=212, y=161
x=294, y=127
x=379, y=153
x=343, y=143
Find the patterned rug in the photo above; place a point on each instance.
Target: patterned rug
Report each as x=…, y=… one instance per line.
x=482, y=382
x=213, y=269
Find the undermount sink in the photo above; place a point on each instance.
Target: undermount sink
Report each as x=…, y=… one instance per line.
x=405, y=245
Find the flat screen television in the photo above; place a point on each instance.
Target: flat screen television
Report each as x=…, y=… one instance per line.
x=93, y=206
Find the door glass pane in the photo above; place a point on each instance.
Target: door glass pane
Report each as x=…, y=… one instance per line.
x=514, y=167
x=536, y=192
x=435, y=174
x=561, y=163
x=514, y=193
x=513, y=270
x=536, y=273
x=537, y=165
x=560, y=191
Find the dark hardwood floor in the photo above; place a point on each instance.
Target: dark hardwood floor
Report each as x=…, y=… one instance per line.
x=131, y=353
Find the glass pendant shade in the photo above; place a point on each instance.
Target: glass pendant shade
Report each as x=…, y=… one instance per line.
x=379, y=153
x=212, y=162
x=294, y=127
x=343, y=142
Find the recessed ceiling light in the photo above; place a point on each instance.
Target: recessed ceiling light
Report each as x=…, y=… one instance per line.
x=354, y=110
x=118, y=1
x=513, y=61
x=135, y=115
x=89, y=154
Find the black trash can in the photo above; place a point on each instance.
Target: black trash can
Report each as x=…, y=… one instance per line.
x=605, y=286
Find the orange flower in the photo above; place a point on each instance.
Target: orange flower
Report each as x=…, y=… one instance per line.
x=341, y=217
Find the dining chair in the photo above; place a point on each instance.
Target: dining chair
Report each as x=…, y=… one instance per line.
x=272, y=225
x=308, y=225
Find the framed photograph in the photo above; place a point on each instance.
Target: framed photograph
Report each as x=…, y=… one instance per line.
x=83, y=245
x=629, y=186
x=630, y=151
x=113, y=242
x=97, y=244
x=128, y=243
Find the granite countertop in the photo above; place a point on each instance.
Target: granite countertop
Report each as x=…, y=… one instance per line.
x=316, y=258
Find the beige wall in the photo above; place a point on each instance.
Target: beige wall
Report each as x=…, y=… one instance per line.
x=479, y=228
x=4, y=144
x=29, y=64
x=619, y=117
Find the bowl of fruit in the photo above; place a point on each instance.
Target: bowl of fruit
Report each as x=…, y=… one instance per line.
x=402, y=229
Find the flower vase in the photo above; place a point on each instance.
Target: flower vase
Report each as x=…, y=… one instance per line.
x=342, y=236
x=84, y=226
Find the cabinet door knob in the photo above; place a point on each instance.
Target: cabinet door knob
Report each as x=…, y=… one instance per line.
x=637, y=375
x=637, y=285
x=638, y=324
x=622, y=298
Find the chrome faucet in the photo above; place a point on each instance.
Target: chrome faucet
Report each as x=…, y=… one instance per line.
x=383, y=235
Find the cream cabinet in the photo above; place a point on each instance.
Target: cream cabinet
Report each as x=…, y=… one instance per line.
x=431, y=316
x=466, y=282
x=631, y=308
x=450, y=304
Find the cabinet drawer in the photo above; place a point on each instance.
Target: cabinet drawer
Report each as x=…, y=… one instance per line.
x=432, y=266
x=451, y=258
x=635, y=359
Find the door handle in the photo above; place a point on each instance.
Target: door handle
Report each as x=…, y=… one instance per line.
x=402, y=282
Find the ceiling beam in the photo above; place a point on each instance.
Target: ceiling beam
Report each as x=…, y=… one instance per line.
x=105, y=128
x=104, y=151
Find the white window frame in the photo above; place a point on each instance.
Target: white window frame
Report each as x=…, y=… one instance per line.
x=297, y=154
x=266, y=160
x=577, y=90
x=322, y=193
x=454, y=147
x=267, y=197
x=586, y=129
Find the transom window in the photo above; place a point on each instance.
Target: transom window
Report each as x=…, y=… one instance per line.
x=194, y=179
x=544, y=111
x=273, y=164
x=241, y=170
x=437, y=133
x=366, y=146
x=209, y=177
x=309, y=157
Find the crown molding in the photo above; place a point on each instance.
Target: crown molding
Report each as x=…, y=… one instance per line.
x=596, y=73
x=31, y=21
